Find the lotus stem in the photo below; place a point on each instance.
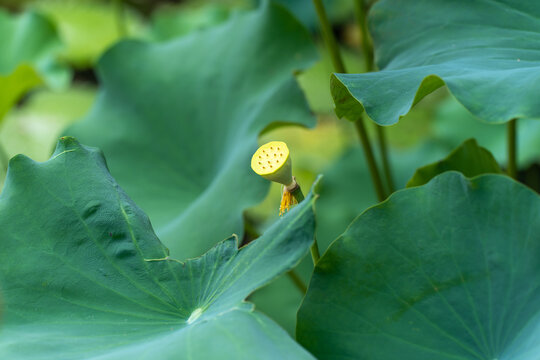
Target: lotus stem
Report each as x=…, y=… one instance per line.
x=512, y=148
x=329, y=38
x=296, y=192
x=367, y=51
x=339, y=67
x=121, y=25
x=4, y=158
x=370, y=158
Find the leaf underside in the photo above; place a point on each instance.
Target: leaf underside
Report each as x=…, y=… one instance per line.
x=487, y=53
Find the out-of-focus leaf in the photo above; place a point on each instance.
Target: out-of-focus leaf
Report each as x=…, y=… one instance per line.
x=453, y=124
x=169, y=22
x=337, y=11
x=28, y=48
x=88, y=27
x=181, y=133
x=33, y=129
x=469, y=158
x=315, y=81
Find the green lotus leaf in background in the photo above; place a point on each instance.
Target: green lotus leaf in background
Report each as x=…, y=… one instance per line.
x=169, y=22
x=88, y=27
x=469, y=158
x=448, y=270
x=14, y=4
x=338, y=11
x=486, y=52
x=347, y=189
x=181, y=133
x=315, y=81
x=29, y=45
x=84, y=276
x=33, y=128
x=454, y=124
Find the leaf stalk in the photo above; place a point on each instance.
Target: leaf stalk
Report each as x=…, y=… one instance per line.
x=370, y=158
x=297, y=281
x=329, y=38
x=121, y=25
x=4, y=158
x=360, y=7
x=512, y=148
x=339, y=67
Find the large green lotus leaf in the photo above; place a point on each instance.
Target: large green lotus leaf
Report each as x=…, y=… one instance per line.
x=182, y=120
x=453, y=124
x=84, y=276
x=486, y=52
x=448, y=270
x=469, y=158
x=28, y=48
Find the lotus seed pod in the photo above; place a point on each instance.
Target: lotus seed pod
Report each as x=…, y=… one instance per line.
x=272, y=162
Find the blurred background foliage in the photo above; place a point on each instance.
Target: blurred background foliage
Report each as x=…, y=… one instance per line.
x=61, y=85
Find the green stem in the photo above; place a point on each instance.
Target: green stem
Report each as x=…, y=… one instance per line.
x=367, y=50
x=372, y=165
x=297, y=193
x=383, y=149
x=250, y=232
x=512, y=148
x=297, y=281
x=315, y=254
x=328, y=37
x=299, y=196
x=367, y=47
x=4, y=158
x=121, y=25
x=339, y=67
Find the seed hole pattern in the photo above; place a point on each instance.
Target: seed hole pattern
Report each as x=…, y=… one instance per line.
x=271, y=162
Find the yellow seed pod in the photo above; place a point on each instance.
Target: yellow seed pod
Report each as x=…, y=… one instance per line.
x=273, y=162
